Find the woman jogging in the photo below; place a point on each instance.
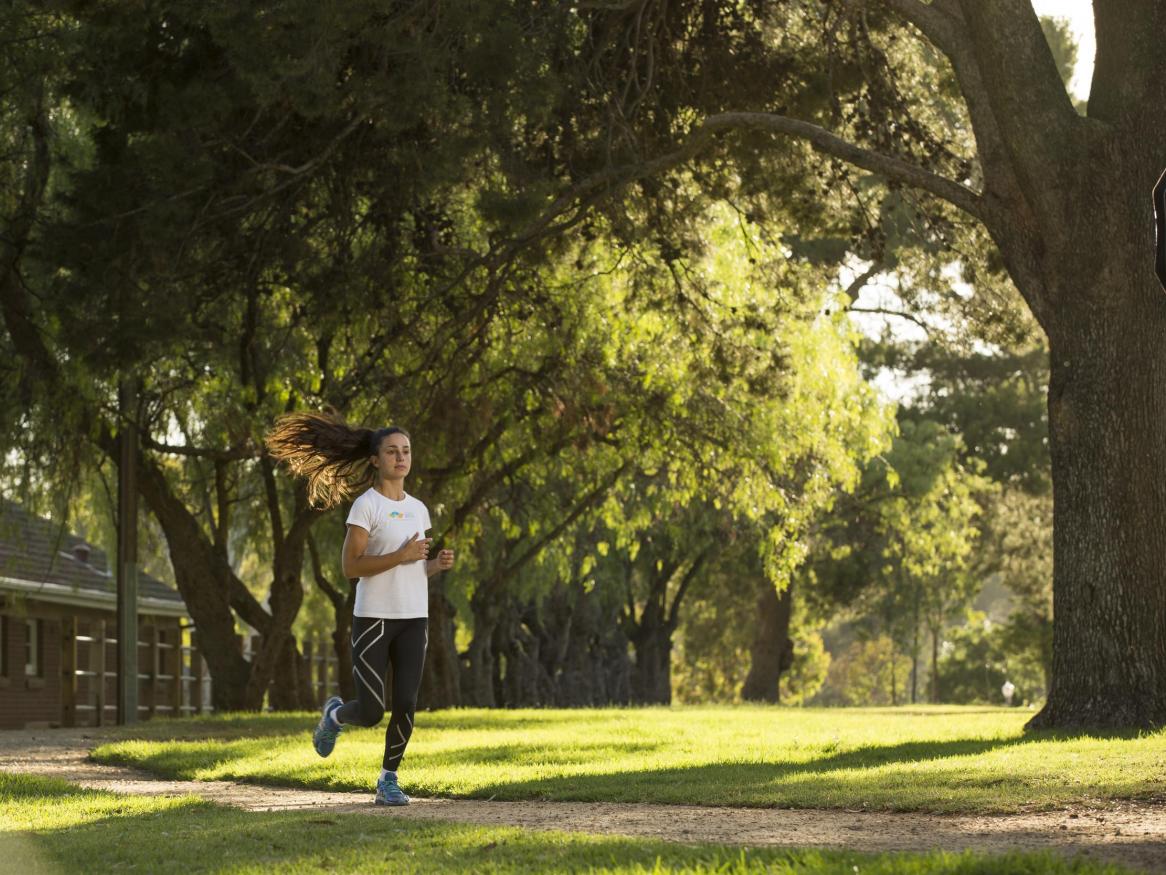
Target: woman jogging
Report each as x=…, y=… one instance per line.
x=387, y=549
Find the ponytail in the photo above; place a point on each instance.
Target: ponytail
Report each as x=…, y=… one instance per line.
x=330, y=454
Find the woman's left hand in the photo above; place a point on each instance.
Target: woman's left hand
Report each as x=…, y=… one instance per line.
x=444, y=560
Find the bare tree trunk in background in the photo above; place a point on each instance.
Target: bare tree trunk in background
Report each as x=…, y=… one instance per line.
x=440, y=685
x=772, y=652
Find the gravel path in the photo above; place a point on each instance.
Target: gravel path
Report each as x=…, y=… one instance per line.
x=1130, y=833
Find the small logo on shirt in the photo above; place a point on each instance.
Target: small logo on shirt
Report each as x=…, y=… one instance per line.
x=399, y=515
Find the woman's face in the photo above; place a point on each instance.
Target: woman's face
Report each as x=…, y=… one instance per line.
x=394, y=457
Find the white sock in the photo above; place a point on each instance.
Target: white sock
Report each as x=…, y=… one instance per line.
x=385, y=773
x=332, y=716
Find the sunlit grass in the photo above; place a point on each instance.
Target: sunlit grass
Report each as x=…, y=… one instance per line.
x=938, y=758
x=49, y=827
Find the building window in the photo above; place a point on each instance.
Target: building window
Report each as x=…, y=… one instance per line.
x=34, y=648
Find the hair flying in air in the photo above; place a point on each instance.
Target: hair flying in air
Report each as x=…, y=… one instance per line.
x=333, y=456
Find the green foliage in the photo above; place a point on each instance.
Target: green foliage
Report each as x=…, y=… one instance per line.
x=979, y=657
x=347, y=209
x=713, y=656
x=868, y=672
x=995, y=401
x=898, y=553
x=810, y=668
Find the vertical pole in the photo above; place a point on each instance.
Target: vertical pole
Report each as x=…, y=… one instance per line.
x=1160, y=229
x=176, y=671
x=310, y=662
x=69, y=671
x=156, y=669
x=127, y=556
x=196, y=670
x=99, y=672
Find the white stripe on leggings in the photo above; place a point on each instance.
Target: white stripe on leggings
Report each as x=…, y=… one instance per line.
x=372, y=671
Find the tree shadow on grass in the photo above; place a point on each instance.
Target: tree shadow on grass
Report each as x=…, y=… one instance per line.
x=187, y=761
x=841, y=779
x=190, y=836
x=522, y=753
x=455, y=719
x=230, y=726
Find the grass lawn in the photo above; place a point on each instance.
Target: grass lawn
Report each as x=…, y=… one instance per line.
x=49, y=827
x=940, y=758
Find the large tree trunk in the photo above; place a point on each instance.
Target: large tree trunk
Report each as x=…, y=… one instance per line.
x=596, y=667
x=342, y=599
x=936, y=634
x=1107, y=427
x=342, y=646
x=584, y=649
x=652, y=670
x=524, y=684
x=476, y=679
x=291, y=687
x=440, y=684
x=651, y=635
x=205, y=582
x=1067, y=201
x=772, y=652
x=278, y=655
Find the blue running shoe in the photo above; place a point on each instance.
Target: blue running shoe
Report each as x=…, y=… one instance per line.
x=324, y=738
x=388, y=793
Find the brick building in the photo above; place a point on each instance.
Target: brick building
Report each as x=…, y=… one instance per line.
x=58, y=627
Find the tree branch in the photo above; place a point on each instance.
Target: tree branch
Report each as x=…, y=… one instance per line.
x=883, y=311
x=824, y=141
x=685, y=582
x=266, y=469
x=581, y=506
x=326, y=586
x=1029, y=102
x=942, y=24
x=14, y=303
x=940, y=28
x=860, y=281
x=232, y=454
x=248, y=608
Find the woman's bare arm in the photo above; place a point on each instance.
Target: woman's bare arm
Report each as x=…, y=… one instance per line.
x=356, y=564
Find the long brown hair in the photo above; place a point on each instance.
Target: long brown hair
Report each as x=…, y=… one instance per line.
x=333, y=456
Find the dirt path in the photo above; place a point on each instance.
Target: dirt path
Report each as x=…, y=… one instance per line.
x=1133, y=834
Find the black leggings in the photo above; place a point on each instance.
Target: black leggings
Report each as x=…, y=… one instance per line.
x=375, y=644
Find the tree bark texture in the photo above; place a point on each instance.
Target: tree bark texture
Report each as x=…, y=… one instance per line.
x=1107, y=410
x=342, y=646
x=439, y=684
x=652, y=670
x=772, y=652
x=1071, y=216
x=290, y=688
x=476, y=679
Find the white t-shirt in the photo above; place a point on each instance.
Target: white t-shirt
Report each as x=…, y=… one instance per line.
x=403, y=591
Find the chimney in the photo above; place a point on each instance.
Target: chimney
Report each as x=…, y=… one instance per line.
x=81, y=552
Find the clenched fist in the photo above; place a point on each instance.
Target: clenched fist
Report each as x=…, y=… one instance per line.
x=416, y=549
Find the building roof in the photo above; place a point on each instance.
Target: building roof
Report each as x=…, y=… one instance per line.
x=41, y=560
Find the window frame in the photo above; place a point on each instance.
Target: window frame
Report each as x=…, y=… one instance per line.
x=34, y=647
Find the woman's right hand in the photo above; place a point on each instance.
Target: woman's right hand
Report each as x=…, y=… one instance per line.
x=416, y=549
